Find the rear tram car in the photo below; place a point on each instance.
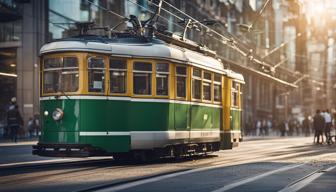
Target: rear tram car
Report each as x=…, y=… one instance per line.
x=131, y=96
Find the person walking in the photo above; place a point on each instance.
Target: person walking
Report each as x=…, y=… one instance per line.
x=31, y=127
x=291, y=126
x=319, y=123
x=282, y=128
x=306, y=126
x=14, y=119
x=328, y=125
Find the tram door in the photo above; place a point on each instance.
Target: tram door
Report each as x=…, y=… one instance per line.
x=226, y=116
x=181, y=109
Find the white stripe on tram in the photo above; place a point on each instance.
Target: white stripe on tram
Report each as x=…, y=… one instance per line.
x=105, y=133
x=143, y=134
x=129, y=99
x=232, y=131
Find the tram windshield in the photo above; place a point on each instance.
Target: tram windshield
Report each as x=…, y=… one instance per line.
x=60, y=74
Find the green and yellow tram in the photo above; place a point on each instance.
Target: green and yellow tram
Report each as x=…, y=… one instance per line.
x=133, y=96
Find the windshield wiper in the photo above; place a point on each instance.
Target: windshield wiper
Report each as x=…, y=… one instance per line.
x=65, y=94
x=62, y=92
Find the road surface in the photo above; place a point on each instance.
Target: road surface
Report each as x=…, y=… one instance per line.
x=269, y=164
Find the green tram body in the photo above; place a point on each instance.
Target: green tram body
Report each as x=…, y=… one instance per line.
x=102, y=123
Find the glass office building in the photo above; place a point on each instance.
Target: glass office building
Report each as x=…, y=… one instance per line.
x=25, y=25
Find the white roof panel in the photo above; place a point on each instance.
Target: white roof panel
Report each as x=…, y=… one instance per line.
x=143, y=50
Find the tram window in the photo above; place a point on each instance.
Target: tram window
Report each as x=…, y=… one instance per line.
x=234, y=94
x=52, y=63
x=51, y=81
x=207, y=86
x=218, y=78
x=142, y=78
x=118, y=76
x=60, y=74
x=69, y=78
x=96, y=68
x=196, y=84
x=51, y=75
x=162, y=77
x=181, y=75
x=217, y=88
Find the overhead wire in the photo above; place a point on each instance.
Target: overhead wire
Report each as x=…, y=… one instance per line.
x=105, y=9
x=234, y=41
x=195, y=20
x=176, y=24
x=225, y=40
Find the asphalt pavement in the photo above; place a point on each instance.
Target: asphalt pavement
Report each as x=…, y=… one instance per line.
x=258, y=164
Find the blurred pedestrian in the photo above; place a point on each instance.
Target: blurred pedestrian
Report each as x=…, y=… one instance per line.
x=282, y=128
x=319, y=123
x=263, y=127
x=37, y=124
x=258, y=127
x=269, y=127
x=31, y=127
x=14, y=119
x=306, y=126
x=291, y=126
x=328, y=124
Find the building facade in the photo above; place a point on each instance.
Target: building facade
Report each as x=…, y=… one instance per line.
x=25, y=25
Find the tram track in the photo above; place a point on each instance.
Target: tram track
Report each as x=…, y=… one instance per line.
x=106, y=173
x=293, y=186
x=47, y=164
x=200, y=167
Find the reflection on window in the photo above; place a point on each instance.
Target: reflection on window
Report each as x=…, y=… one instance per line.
x=96, y=68
x=60, y=74
x=207, y=86
x=196, y=84
x=142, y=78
x=51, y=81
x=217, y=88
x=118, y=76
x=234, y=94
x=162, y=77
x=69, y=78
x=181, y=75
x=72, y=11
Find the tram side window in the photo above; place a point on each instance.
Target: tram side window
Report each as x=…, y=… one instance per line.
x=70, y=75
x=217, y=88
x=234, y=94
x=207, y=86
x=181, y=76
x=60, y=74
x=142, y=78
x=51, y=76
x=96, y=68
x=118, y=76
x=196, y=84
x=162, y=74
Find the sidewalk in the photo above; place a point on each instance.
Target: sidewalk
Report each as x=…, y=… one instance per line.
x=22, y=141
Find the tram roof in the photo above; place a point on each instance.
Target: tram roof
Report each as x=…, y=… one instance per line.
x=139, y=48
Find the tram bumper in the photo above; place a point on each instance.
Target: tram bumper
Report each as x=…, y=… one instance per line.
x=66, y=150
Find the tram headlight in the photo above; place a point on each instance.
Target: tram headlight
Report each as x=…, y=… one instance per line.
x=46, y=113
x=57, y=114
